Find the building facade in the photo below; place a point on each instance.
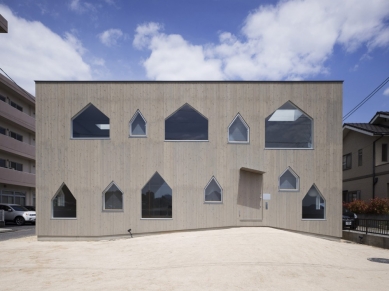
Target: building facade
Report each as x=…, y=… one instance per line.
x=365, y=159
x=17, y=141
x=168, y=156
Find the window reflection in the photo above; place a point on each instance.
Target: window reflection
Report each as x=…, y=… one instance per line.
x=289, y=180
x=213, y=192
x=64, y=204
x=90, y=123
x=113, y=198
x=156, y=198
x=313, y=205
x=138, y=125
x=238, y=130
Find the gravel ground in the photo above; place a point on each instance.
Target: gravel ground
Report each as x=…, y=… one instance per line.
x=227, y=259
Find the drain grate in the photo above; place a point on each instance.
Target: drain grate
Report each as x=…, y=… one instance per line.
x=379, y=260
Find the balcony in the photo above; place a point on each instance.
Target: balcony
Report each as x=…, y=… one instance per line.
x=13, y=177
x=11, y=145
x=14, y=116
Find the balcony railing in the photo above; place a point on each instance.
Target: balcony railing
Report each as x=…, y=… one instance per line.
x=13, y=177
x=375, y=226
x=11, y=145
x=17, y=117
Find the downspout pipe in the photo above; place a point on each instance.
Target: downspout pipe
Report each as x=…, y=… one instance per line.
x=374, y=177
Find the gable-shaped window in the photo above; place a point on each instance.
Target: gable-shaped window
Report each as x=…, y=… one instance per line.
x=64, y=205
x=288, y=127
x=138, y=125
x=289, y=181
x=156, y=198
x=186, y=124
x=238, y=130
x=112, y=198
x=314, y=205
x=90, y=123
x=213, y=192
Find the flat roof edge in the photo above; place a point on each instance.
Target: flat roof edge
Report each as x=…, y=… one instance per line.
x=189, y=81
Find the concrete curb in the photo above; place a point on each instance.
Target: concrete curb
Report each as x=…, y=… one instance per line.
x=5, y=230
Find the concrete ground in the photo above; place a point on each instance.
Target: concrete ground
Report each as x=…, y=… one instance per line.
x=225, y=259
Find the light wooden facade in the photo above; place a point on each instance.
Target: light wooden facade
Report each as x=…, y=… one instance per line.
x=244, y=171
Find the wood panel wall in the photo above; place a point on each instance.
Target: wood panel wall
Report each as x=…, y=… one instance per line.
x=88, y=166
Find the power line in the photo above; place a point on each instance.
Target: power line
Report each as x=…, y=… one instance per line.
x=17, y=84
x=366, y=99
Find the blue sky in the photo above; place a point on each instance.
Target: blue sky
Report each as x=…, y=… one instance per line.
x=202, y=40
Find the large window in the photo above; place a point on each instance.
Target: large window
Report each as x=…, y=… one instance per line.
x=90, y=123
x=288, y=127
x=16, y=166
x=347, y=161
x=314, y=205
x=13, y=197
x=3, y=130
x=186, y=124
x=238, y=130
x=156, y=198
x=16, y=136
x=138, y=125
x=112, y=198
x=64, y=204
x=289, y=181
x=384, y=156
x=213, y=192
x=3, y=163
x=18, y=107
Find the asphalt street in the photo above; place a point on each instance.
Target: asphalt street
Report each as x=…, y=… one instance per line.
x=17, y=231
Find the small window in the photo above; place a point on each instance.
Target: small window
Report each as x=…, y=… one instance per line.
x=112, y=198
x=64, y=205
x=347, y=162
x=384, y=152
x=289, y=128
x=90, y=123
x=360, y=157
x=16, y=166
x=156, y=198
x=18, y=107
x=186, y=124
x=138, y=125
x=238, y=130
x=314, y=205
x=289, y=181
x=3, y=130
x=2, y=163
x=2, y=98
x=213, y=192
x=16, y=136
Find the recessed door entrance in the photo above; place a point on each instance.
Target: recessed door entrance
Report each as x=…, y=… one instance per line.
x=249, y=195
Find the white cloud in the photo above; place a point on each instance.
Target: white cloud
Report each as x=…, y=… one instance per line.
x=386, y=92
x=30, y=51
x=290, y=40
x=110, y=37
x=81, y=7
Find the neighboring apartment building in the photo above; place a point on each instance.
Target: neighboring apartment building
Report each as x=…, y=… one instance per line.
x=366, y=159
x=17, y=141
x=166, y=156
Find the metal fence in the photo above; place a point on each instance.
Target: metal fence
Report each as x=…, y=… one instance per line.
x=375, y=226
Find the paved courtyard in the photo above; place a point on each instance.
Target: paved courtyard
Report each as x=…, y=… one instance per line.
x=225, y=259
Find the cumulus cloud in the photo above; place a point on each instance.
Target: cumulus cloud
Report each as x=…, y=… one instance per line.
x=110, y=37
x=290, y=40
x=30, y=51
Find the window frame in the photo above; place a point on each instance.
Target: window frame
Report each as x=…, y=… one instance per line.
x=52, y=206
x=325, y=206
x=213, y=178
x=245, y=125
x=133, y=119
x=16, y=136
x=16, y=106
x=297, y=181
x=384, y=153
x=105, y=192
x=16, y=166
x=344, y=162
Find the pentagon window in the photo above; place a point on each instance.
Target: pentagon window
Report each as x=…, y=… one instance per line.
x=64, y=205
x=238, y=130
x=213, y=192
x=112, y=198
x=186, y=124
x=314, y=205
x=156, y=198
x=289, y=181
x=90, y=123
x=138, y=125
x=289, y=128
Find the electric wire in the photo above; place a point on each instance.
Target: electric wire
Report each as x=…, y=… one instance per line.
x=17, y=84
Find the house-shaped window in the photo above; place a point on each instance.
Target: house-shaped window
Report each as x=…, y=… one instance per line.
x=289, y=181
x=112, y=198
x=186, y=124
x=138, y=125
x=64, y=205
x=238, y=130
x=91, y=123
x=314, y=205
x=156, y=198
x=213, y=192
x=288, y=127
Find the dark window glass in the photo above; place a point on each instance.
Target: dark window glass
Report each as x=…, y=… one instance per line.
x=16, y=166
x=2, y=163
x=384, y=152
x=2, y=130
x=288, y=181
x=138, y=125
x=313, y=205
x=18, y=107
x=91, y=123
x=238, y=131
x=288, y=127
x=156, y=198
x=213, y=192
x=113, y=198
x=64, y=204
x=16, y=136
x=360, y=157
x=186, y=124
x=2, y=98
x=347, y=161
